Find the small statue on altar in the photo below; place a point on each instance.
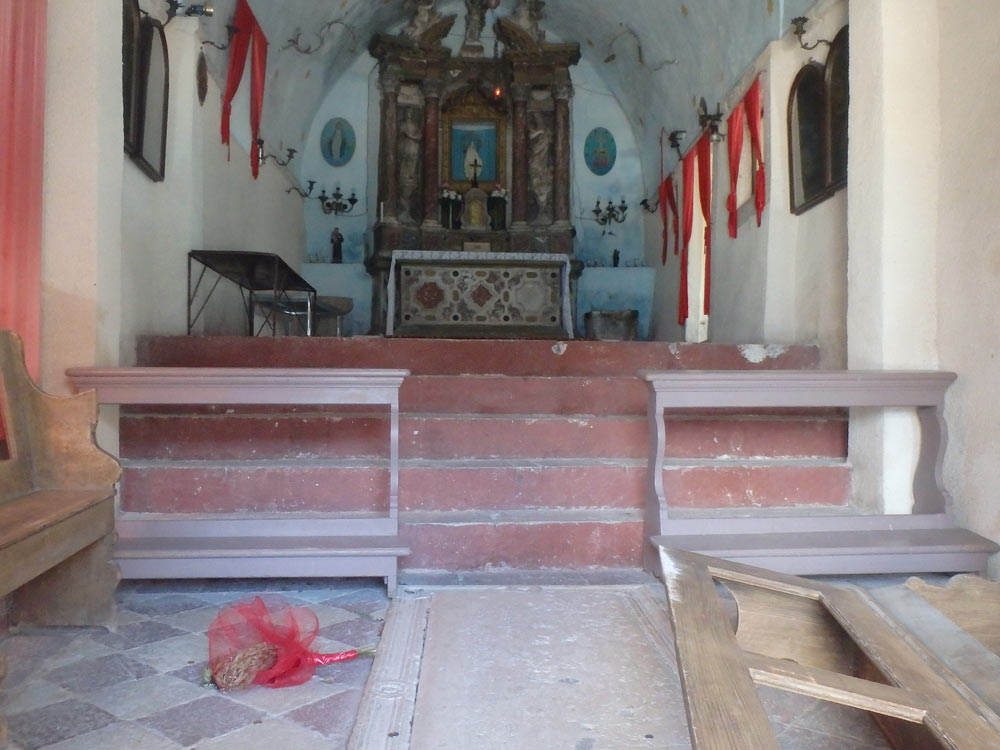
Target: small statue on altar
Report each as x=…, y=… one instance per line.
x=425, y=15
x=540, y=164
x=337, y=244
x=527, y=14
x=411, y=135
x=475, y=20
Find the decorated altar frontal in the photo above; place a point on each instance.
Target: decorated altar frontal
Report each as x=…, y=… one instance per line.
x=479, y=295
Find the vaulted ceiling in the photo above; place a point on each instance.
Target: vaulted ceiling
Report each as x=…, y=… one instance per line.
x=712, y=41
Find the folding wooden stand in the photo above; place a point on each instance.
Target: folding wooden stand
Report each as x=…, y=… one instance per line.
x=828, y=642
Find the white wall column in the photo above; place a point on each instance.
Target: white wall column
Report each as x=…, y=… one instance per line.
x=81, y=222
x=892, y=223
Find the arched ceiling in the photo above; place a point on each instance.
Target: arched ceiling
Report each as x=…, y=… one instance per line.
x=712, y=41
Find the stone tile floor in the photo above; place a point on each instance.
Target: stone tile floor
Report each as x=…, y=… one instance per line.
x=140, y=688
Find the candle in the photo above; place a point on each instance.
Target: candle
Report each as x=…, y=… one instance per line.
x=381, y=211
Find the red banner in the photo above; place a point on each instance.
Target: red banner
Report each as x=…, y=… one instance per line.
x=687, y=220
x=248, y=33
x=754, y=116
x=735, y=129
x=705, y=193
x=22, y=127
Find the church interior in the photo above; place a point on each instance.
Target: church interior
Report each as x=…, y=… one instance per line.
x=628, y=368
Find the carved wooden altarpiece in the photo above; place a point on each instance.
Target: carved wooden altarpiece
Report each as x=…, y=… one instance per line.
x=470, y=122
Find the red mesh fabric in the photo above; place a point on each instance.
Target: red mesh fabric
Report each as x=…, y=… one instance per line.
x=291, y=630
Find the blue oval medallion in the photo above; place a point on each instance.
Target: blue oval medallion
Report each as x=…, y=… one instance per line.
x=337, y=142
x=600, y=151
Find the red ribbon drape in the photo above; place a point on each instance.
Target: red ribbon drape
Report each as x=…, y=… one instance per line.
x=705, y=193
x=735, y=142
x=248, y=33
x=668, y=208
x=22, y=126
x=754, y=114
x=687, y=220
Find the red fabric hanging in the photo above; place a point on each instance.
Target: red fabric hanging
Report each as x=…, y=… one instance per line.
x=735, y=143
x=247, y=31
x=705, y=193
x=22, y=115
x=687, y=220
x=668, y=203
x=754, y=114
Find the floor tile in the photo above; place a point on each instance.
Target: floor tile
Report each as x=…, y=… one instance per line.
x=192, y=620
x=45, y=726
x=137, y=634
x=119, y=736
x=842, y=721
x=202, y=719
x=150, y=695
x=273, y=734
x=281, y=700
x=80, y=649
x=31, y=694
x=193, y=673
x=332, y=717
x=359, y=632
x=173, y=653
x=157, y=606
x=88, y=675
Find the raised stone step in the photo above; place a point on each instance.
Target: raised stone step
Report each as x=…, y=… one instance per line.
x=461, y=357
x=302, y=435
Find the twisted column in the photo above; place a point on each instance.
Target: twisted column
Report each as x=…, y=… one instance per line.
x=562, y=93
x=388, y=184
x=519, y=187
x=432, y=114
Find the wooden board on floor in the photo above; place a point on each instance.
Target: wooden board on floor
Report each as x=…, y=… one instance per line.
x=896, y=679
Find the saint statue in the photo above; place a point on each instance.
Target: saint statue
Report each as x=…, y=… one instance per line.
x=475, y=20
x=425, y=15
x=472, y=162
x=411, y=134
x=539, y=164
x=527, y=14
x=337, y=245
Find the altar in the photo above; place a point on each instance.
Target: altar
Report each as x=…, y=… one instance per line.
x=474, y=235
x=479, y=294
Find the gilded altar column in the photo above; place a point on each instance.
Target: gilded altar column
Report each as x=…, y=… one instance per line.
x=432, y=114
x=388, y=194
x=519, y=187
x=562, y=93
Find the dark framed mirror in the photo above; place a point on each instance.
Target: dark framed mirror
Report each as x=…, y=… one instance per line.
x=131, y=67
x=807, y=148
x=838, y=100
x=151, y=156
x=817, y=128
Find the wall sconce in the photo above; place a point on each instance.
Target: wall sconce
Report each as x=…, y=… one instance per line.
x=230, y=33
x=263, y=159
x=335, y=204
x=799, y=28
x=610, y=213
x=648, y=208
x=710, y=120
x=675, y=138
x=303, y=193
x=174, y=6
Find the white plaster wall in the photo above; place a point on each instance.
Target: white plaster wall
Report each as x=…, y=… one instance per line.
x=893, y=232
x=967, y=245
x=785, y=281
x=208, y=200
x=81, y=222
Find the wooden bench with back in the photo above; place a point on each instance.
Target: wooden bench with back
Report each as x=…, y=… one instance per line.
x=57, y=491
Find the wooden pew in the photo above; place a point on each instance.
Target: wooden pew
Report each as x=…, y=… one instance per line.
x=56, y=505
x=287, y=545
x=927, y=540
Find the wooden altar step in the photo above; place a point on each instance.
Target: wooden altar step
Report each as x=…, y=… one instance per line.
x=539, y=467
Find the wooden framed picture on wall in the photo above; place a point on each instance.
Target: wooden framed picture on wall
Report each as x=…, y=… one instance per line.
x=131, y=59
x=145, y=90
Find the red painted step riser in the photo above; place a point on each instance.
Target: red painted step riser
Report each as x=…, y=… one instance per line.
x=450, y=357
x=301, y=437
x=523, y=546
x=270, y=490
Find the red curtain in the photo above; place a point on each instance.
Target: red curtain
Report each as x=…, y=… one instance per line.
x=735, y=143
x=22, y=115
x=248, y=33
x=687, y=219
x=754, y=114
x=705, y=193
x=668, y=203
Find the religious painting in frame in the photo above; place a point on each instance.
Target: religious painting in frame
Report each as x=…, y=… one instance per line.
x=474, y=134
x=600, y=151
x=337, y=142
